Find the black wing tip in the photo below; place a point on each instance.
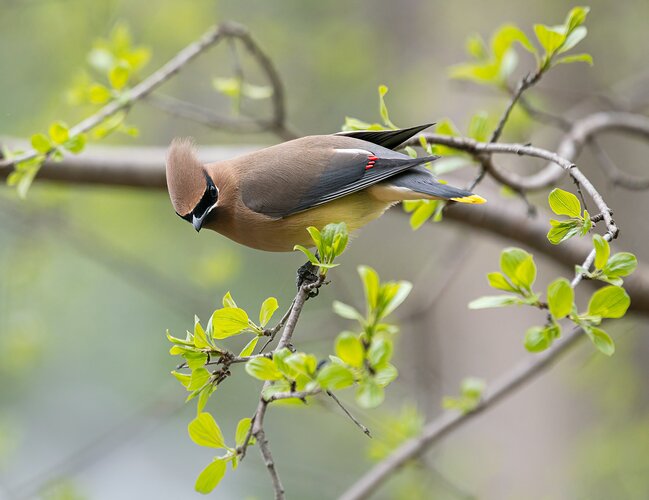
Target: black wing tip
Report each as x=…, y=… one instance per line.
x=416, y=129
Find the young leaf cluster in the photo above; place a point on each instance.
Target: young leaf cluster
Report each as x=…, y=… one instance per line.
x=329, y=243
x=118, y=62
x=609, y=268
x=493, y=64
x=53, y=144
x=517, y=277
x=518, y=273
x=361, y=358
x=366, y=354
x=287, y=371
x=200, y=346
x=204, y=431
x=565, y=203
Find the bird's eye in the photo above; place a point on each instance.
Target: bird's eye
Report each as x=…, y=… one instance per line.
x=213, y=191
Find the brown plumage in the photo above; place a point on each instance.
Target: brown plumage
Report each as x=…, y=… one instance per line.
x=268, y=198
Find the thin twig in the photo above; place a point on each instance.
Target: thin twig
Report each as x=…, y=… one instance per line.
x=525, y=83
x=353, y=419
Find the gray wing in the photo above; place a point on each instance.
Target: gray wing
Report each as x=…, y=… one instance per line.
x=323, y=175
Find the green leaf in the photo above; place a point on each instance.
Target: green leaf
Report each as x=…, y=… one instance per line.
x=76, y=144
x=587, y=58
x=526, y=273
x=59, y=132
x=210, y=476
x=380, y=351
x=263, y=369
x=424, y=211
x=243, y=427
x=564, y=203
x=347, y=311
x=487, y=72
x=229, y=321
x=118, y=75
x=204, y=396
x=230, y=87
x=402, y=291
x=601, y=340
x=602, y=251
x=573, y=38
x=576, y=17
x=350, y=349
x=256, y=92
x=183, y=378
x=499, y=282
x=504, y=38
x=200, y=339
x=620, y=264
x=369, y=394
x=99, y=94
x=609, y=302
x=370, y=279
x=476, y=47
x=195, y=359
x=228, y=301
x=537, y=339
x=383, y=109
x=518, y=265
x=494, y=301
x=385, y=374
x=563, y=230
x=199, y=378
x=250, y=347
x=268, y=308
x=279, y=358
x=335, y=376
x=356, y=124
x=204, y=431
x=560, y=298
x=302, y=363
x=549, y=37
x=472, y=387
x=316, y=236
x=309, y=255
x=41, y=143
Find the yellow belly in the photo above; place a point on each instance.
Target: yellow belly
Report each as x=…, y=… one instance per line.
x=281, y=235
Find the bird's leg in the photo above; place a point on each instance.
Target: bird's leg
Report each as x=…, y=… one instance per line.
x=308, y=273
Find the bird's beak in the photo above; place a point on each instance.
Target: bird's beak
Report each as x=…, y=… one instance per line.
x=197, y=223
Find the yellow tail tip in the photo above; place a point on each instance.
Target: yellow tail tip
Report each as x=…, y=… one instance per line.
x=474, y=199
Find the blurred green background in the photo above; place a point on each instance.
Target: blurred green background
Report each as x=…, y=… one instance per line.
x=91, y=277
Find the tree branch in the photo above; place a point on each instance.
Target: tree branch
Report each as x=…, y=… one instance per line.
x=143, y=167
x=257, y=424
x=567, y=152
x=448, y=421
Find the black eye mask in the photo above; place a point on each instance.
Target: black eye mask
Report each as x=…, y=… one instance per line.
x=209, y=198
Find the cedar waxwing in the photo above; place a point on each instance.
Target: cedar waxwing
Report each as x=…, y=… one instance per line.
x=268, y=198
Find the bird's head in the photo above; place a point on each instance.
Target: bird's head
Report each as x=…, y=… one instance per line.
x=191, y=188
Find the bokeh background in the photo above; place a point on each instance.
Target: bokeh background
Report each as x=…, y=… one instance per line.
x=91, y=277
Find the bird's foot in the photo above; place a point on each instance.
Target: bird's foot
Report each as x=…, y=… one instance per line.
x=307, y=274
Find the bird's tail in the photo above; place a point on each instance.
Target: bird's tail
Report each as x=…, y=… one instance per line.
x=416, y=185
